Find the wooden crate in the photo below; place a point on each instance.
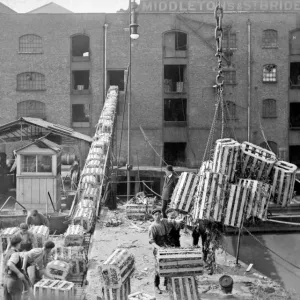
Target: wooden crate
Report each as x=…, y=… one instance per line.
x=5, y=237
x=257, y=162
x=140, y=296
x=75, y=256
x=74, y=236
x=86, y=203
x=183, y=288
x=84, y=217
x=206, y=166
x=283, y=177
x=58, y=269
x=120, y=293
x=94, y=156
x=209, y=197
x=102, y=142
x=226, y=156
x=90, y=193
x=106, y=125
x=94, y=163
x=98, y=152
x=118, y=267
x=88, y=180
x=47, y=289
x=136, y=211
x=97, y=172
x=174, y=262
x=182, y=197
x=41, y=234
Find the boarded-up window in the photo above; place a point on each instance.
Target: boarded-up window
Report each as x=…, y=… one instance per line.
x=31, y=81
x=229, y=111
x=270, y=73
x=271, y=146
x=269, y=108
x=31, y=108
x=229, y=40
x=269, y=38
x=30, y=43
x=229, y=76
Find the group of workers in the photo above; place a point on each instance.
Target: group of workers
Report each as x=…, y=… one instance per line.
x=164, y=232
x=24, y=264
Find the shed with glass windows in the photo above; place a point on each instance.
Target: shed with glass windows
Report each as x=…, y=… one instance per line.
x=39, y=172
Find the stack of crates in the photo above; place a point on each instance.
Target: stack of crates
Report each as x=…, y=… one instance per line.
x=41, y=234
x=5, y=237
x=116, y=272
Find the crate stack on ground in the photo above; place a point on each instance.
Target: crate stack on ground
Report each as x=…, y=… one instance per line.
x=116, y=273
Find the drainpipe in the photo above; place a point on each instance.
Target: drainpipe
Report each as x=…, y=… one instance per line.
x=249, y=81
x=105, y=61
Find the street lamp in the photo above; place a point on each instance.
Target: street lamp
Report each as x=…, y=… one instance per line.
x=133, y=35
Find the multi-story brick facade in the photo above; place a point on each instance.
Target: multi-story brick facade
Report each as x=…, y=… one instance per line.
x=172, y=94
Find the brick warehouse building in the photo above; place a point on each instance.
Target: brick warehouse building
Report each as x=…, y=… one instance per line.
x=53, y=67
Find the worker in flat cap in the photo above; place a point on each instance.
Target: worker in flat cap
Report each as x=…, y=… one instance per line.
x=174, y=231
x=158, y=237
x=168, y=188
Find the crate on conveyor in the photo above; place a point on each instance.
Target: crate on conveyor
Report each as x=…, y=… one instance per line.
x=75, y=256
x=58, y=269
x=136, y=211
x=88, y=180
x=48, y=289
x=283, y=181
x=74, y=236
x=98, y=172
x=120, y=293
x=118, y=267
x=209, y=197
x=84, y=217
x=41, y=234
x=182, y=197
x=94, y=163
x=102, y=141
x=85, y=203
x=140, y=296
x=226, y=156
x=183, y=288
x=256, y=162
x=5, y=237
x=90, y=193
x=177, y=262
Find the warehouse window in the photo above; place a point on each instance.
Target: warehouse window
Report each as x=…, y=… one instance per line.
x=81, y=46
x=175, y=110
x=81, y=80
x=180, y=40
x=31, y=81
x=295, y=74
x=229, y=76
x=269, y=38
x=81, y=113
x=295, y=155
x=174, y=154
x=30, y=43
x=174, y=78
x=270, y=73
x=269, y=108
x=229, y=111
x=229, y=40
x=31, y=108
x=116, y=77
x=36, y=163
x=175, y=44
x=271, y=146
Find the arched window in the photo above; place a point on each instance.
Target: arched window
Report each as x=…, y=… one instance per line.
x=31, y=108
x=270, y=73
x=229, y=111
x=175, y=44
x=30, y=43
x=81, y=46
x=269, y=38
x=269, y=108
x=31, y=81
x=272, y=145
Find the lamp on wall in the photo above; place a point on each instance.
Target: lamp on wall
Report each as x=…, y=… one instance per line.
x=133, y=21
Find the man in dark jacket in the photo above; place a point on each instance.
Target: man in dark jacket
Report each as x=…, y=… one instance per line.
x=174, y=232
x=168, y=188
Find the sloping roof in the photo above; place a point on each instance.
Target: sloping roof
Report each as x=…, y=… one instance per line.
x=28, y=128
x=50, y=8
x=43, y=142
x=6, y=10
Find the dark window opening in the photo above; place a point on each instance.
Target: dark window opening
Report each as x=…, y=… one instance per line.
x=81, y=46
x=81, y=80
x=174, y=78
x=294, y=115
x=57, y=139
x=271, y=146
x=269, y=38
x=80, y=113
x=152, y=182
x=175, y=110
x=295, y=155
x=229, y=41
x=180, y=41
x=174, y=154
x=116, y=78
x=295, y=74
x=229, y=77
x=269, y=108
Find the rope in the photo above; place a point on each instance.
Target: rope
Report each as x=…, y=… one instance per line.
x=150, y=189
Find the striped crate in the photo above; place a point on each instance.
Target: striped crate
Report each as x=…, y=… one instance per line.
x=136, y=211
x=106, y=126
x=41, y=234
x=87, y=181
x=75, y=256
x=182, y=197
x=57, y=270
x=258, y=198
x=98, y=172
x=257, y=162
x=172, y=262
x=74, y=236
x=47, y=289
x=84, y=217
x=5, y=237
x=210, y=195
x=96, y=156
x=183, y=288
x=102, y=142
x=98, y=152
x=90, y=193
x=206, y=166
x=86, y=203
x=140, y=296
x=284, y=176
x=119, y=266
x=94, y=163
x=226, y=156
x=120, y=293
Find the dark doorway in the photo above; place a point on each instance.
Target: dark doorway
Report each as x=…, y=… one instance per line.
x=116, y=77
x=294, y=115
x=81, y=80
x=295, y=155
x=175, y=110
x=174, y=154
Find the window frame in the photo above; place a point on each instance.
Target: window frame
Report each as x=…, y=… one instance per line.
x=225, y=34
x=226, y=71
x=269, y=76
x=265, y=109
x=227, y=116
x=267, y=45
x=26, y=114
x=41, y=80
x=39, y=38
x=36, y=164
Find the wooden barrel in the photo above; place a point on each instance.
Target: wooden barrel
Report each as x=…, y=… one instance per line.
x=68, y=158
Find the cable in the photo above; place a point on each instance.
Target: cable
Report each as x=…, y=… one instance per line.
x=150, y=189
